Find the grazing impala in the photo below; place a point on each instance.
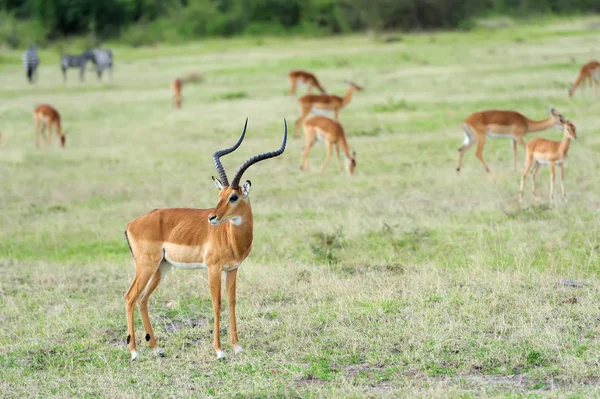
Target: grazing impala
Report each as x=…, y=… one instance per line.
x=217, y=239
x=177, y=85
x=542, y=151
x=324, y=102
x=48, y=117
x=320, y=127
x=509, y=124
x=306, y=78
x=588, y=72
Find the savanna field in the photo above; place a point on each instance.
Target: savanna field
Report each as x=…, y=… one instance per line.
x=404, y=280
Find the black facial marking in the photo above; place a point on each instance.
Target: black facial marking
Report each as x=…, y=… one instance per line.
x=147, y=337
x=128, y=339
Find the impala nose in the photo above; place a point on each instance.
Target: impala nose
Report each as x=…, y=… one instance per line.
x=212, y=219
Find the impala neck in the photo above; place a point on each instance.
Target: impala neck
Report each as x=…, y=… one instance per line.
x=578, y=80
x=563, y=148
x=536, y=126
x=240, y=236
x=59, y=129
x=344, y=146
x=348, y=96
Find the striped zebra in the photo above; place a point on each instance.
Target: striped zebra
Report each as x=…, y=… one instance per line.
x=30, y=61
x=103, y=59
x=75, y=61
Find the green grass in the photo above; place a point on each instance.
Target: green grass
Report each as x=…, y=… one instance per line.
x=404, y=280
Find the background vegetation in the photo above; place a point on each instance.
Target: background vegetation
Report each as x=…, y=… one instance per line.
x=140, y=22
x=405, y=280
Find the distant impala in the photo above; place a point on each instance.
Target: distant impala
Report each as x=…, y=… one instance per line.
x=589, y=72
x=548, y=152
x=509, y=124
x=48, y=117
x=295, y=77
x=320, y=127
x=324, y=102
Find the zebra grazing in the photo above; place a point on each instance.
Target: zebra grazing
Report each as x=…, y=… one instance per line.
x=103, y=59
x=30, y=62
x=75, y=61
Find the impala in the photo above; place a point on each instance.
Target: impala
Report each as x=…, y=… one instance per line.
x=217, y=239
x=509, y=124
x=320, y=127
x=324, y=102
x=588, y=72
x=177, y=85
x=48, y=117
x=307, y=78
x=542, y=151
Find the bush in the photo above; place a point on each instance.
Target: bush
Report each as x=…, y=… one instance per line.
x=140, y=20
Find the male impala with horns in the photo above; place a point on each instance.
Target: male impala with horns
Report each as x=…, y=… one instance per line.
x=217, y=239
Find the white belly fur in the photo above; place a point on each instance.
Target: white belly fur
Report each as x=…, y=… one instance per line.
x=546, y=162
x=496, y=135
x=180, y=265
x=192, y=266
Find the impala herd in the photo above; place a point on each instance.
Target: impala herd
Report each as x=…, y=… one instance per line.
x=220, y=238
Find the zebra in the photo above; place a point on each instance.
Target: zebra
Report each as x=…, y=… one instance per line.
x=30, y=61
x=103, y=59
x=75, y=61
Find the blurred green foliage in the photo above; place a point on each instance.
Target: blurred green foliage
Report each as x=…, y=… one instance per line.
x=141, y=22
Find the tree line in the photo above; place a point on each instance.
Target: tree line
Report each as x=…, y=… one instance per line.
x=142, y=21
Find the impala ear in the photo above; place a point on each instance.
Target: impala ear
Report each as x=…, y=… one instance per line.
x=246, y=188
x=218, y=183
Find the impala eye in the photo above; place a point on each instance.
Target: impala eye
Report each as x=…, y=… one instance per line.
x=233, y=198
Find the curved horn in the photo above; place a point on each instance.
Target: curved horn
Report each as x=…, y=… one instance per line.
x=220, y=153
x=261, y=157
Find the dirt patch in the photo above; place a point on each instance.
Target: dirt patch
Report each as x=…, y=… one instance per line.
x=355, y=369
x=310, y=381
x=172, y=326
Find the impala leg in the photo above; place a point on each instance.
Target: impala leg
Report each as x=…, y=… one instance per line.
x=303, y=112
x=143, y=306
x=536, y=168
x=178, y=99
x=552, y=175
x=292, y=90
x=518, y=138
x=514, y=149
x=328, y=156
x=336, y=113
x=339, y=162
x=214, y=284
x=562, y=181
x=309, y=135
x=467, y=143
x=528, y=162
x=37, y=138
x=142, y=275
x=230, y=282
x=43, y=132
x=479, y=153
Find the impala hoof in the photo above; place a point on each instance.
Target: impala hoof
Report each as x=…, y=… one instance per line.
x=159, y=352
x=134, y=355
x=237, y=349
x=220, y=356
